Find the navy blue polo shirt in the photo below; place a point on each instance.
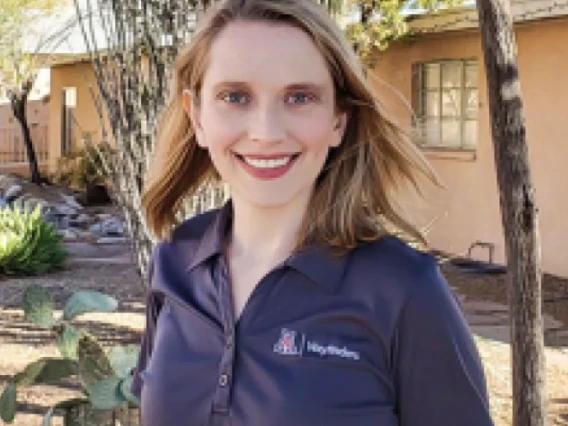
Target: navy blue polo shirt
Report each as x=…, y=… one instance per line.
x=372, y=338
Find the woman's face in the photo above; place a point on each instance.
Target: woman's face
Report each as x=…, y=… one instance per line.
x=267, y=112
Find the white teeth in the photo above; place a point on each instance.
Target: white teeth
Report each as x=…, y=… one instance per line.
x=267, y=164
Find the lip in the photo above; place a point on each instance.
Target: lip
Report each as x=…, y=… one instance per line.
x=267, y=156
x=267, y=174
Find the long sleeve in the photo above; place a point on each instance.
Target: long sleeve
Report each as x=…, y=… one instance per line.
x=153, y=305
x=438, y=371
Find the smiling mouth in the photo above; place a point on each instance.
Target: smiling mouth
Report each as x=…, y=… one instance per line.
x=268, y=162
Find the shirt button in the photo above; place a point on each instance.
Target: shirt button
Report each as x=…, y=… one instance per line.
x=223, y=380
x=229, y=342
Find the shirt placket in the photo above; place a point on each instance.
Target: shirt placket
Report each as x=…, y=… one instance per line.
x=225, y=376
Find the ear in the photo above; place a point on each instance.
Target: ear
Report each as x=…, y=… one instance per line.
x=191, y=107
x=341, y=120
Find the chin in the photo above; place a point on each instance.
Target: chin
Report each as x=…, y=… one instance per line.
x=272, y=199
x=268, y=201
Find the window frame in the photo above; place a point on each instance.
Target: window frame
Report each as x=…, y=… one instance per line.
x=419, y=98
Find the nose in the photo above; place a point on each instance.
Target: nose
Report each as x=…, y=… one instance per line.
x=266, y=124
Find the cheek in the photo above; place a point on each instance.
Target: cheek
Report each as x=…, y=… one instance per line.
x=315, y=134
x=220, y=130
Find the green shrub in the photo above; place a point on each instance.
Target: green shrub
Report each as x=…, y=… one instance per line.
x=28, y=244
x=84, y=167
x=105, y=376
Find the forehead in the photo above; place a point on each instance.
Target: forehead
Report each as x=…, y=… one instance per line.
x=265, y=53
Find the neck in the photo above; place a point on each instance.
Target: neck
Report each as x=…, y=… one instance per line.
x=266, y=234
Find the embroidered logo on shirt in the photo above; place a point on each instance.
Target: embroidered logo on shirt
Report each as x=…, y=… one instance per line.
x=324, y=350
x=286, y=345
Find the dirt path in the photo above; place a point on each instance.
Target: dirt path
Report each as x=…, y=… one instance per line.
x=482, y=300
x=111, y=272
x=493, y=288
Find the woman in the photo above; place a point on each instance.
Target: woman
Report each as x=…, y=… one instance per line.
x=292, y=305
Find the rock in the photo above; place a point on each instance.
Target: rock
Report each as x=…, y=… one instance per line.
x=66, y=215
x=50, y=215
x=71, y=201
x=31, y=203
x=68, y=234
x=112, y=240
x=112, y=227
x=63, y=222
x=13, y=192
x=96, y=228
x=82, y=221
x=3, y=184
x=85, y=235
x=103, y=216
x=65, y=209
x=6, y=182
x=53, y=217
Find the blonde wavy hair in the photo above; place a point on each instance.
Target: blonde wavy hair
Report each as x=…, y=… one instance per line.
x=356, y=195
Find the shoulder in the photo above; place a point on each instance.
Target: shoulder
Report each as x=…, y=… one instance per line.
x=392, y=259
x=387, y=273
x=191, y=229
x=393, y=248
x=183, y=244
x=194, y=227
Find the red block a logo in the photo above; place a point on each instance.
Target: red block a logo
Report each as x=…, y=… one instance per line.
x=286, y=345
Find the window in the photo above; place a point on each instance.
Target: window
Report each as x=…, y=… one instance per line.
x=68, y=104
x=445, y=99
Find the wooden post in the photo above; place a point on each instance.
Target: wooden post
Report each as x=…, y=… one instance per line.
x=518, y=212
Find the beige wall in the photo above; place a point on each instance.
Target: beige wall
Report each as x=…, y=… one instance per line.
x=38, y=113
x=10, y=131
x=471, y=202
x=80, y=76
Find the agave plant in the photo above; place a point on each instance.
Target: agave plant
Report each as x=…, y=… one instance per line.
x=28, y=244
x=105, y=376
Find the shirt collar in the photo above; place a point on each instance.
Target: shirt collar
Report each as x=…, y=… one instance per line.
x=318, y=263
x=212, y=240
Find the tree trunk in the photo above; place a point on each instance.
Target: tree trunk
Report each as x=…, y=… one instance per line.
x=518, y=212
x=19, y=102
x=132, y=75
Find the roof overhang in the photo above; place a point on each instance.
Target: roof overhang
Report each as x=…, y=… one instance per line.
x=467, y=17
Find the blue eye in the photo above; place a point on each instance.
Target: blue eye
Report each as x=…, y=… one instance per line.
x=300, y=98
x=241, y=98
x=235, y=97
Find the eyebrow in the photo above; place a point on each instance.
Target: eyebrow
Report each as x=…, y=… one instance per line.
x=314, y=87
